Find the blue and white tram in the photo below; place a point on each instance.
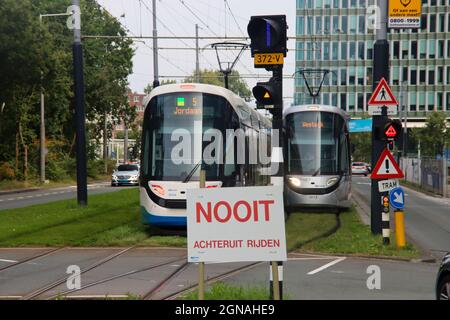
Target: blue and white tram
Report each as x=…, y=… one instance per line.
x=318, y=165
x=192, y=109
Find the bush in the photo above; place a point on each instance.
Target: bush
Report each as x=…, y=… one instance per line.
x=57, y=170
x=6, y=171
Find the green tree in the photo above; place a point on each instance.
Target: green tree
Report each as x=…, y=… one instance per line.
x=434, y=135
x=214, y=77
x=35, y=55
x=363, y=146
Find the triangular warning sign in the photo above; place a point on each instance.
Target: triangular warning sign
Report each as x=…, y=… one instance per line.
x=382, y=96
x=386, y=167
x=390, y=132
x=267, y=95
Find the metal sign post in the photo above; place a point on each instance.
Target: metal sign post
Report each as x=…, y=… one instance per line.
x=201, y=265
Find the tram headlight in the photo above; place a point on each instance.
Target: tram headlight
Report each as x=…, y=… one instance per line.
x=295, y=182
x=332, y=181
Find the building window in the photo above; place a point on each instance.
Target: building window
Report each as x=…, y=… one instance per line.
x=431, y=76
x=362, y=24
x=413, y=49
x=432, y=49
x=352, y=51
x=300, y=25
x=423, y=49
x=413, y=101
x=396, y=49
x=361, y=50
x=440, y=101
x=413, y=77
x=421, y=101
x=431, y=106
x=422, y=75
x=343, y=50
x=351, y=101
x=343, y=101
x=343, y=76
x=441, y=44
x=440, y=75
x=360, y=102
x=344, y=23
x=353, y=24
x=432, y=23
x=335, y=51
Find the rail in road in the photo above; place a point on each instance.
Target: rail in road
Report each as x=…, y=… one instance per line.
x=161, y=286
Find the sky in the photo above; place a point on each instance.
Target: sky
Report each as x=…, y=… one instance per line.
x=178, y=17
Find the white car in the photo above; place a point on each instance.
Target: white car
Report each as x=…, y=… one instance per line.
x=360, y=168
x=125, y=174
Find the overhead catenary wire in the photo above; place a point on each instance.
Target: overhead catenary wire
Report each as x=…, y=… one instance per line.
x=136, y=37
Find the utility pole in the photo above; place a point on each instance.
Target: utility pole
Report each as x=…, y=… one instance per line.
x=155, y=49
x=380, y=70
x=125, y=143
x=197, y=63
x=105, y=142
x=42, y=113
x=42, y=134
x=80, y=117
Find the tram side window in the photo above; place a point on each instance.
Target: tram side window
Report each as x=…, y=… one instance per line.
x=344, y=154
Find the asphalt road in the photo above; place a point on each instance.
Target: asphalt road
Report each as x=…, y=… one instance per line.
x=24, y=199
x=427, y=218
x=306, y=276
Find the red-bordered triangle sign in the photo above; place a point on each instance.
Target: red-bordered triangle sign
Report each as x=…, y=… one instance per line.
x=382, y=96
x=386, y=167
x=390, y=132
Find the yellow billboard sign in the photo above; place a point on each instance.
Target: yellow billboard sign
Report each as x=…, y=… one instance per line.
x=404, y=14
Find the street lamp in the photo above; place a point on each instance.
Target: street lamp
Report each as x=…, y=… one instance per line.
x=42, y=129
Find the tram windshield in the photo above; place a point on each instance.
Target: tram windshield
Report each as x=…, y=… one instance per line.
x=317, y=144
x=170, y=119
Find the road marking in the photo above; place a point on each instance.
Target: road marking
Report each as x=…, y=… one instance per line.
x=308, y=258
x=10, y=261
x=332, y=263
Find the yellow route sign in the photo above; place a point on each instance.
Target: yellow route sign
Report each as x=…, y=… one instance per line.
x=404, y=14
x=264, y=59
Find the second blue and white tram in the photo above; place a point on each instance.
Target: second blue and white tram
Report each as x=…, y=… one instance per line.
x=193, y=109
x=317, y=166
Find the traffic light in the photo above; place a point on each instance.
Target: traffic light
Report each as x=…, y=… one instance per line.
x=268, y=93
x=390, y=130
x=268, y=34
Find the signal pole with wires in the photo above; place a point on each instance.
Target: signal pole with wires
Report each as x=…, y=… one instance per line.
x=155, y=48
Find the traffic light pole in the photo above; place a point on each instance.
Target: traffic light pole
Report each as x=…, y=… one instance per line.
x=80, y=116
x=277, y=178
x=380, y=70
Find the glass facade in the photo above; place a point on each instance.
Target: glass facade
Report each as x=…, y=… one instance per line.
x=419, y=59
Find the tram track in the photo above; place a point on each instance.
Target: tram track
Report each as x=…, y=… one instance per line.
x=40, y=255
x=209, y=281
x=38, y=292
x=122, y=275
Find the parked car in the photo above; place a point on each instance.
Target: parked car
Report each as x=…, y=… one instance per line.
x=125, y=174
x=443, y=279
x=360, y=168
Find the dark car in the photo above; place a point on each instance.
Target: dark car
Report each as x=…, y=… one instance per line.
x=443, y=279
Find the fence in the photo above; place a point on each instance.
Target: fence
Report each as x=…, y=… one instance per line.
x=428, y=173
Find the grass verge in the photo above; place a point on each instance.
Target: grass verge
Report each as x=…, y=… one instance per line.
x=353, y=237
x=110, y=219
x=225, y=291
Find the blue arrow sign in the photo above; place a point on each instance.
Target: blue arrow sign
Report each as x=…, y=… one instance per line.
x=397, y=198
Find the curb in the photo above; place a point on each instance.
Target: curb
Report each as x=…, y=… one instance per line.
x=4, y=193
